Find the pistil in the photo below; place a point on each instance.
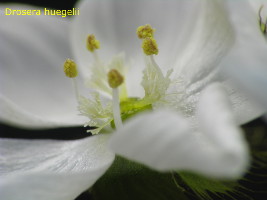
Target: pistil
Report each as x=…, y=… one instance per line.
x=115, y=79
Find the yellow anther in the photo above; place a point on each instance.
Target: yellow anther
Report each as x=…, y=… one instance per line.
x=145, y=31
x=115, y=79
x=70, y=68
x=92, y=43
x=150, y=46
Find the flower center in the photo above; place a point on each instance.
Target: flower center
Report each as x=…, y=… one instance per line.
x=110, y=79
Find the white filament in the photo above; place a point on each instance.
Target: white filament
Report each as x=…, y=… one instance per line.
x=116, y=108
x=77, y=94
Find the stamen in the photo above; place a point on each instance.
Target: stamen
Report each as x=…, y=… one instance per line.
x=150, y=46
x=152, y=60
x=115, y=79
x=70, y=69
x=154, y=82
x=92, y=43
x=145, y=31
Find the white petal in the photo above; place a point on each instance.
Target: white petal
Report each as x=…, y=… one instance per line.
x=114, y=23
x=32, y=54
x=12, y=114
x=249, y=50
x=56, y=170
x=217, y=120
x=246, y=63
x=165, y=141
x=244, y=105
x=245, y=108
x=47, y=186
x=211, y=38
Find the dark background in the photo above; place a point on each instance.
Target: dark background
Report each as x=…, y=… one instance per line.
x=256, y=184
x=57, y=4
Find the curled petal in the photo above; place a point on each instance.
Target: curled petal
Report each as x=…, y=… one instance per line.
x=164, y=140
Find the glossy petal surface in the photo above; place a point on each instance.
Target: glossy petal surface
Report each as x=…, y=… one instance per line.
x=47, y=169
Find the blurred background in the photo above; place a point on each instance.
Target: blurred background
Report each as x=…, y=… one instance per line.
x=255, y=183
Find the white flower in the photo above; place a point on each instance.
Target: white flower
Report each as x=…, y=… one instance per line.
x=249, y=21
x=35, y=95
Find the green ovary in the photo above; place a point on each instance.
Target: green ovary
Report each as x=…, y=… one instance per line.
x=131, y=107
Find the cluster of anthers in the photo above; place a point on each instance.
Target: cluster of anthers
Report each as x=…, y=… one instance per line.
x=110, y=79
x=263, y=25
